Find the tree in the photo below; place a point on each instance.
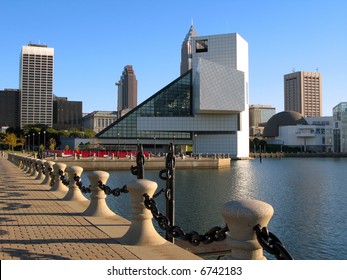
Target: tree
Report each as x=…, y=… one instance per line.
x=11, y=140
x=52, y=143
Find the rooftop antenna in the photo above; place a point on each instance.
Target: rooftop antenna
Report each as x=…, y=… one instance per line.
x=317, y=69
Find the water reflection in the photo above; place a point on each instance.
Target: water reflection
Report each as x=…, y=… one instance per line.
x=308, y=196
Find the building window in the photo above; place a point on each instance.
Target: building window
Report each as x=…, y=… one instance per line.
x=201, y=46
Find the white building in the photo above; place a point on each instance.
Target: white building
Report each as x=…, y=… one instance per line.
x=36, y=85
x=205, y=108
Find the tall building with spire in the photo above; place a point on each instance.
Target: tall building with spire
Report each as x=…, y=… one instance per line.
x=186, y=50
x=36, y=85
x=127, y=90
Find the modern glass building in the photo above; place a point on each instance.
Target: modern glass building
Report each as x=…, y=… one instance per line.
x=205, y=109
x=340, y=130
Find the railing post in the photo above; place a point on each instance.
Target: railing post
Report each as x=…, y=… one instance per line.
x=34, y=172
x=47, y=180
x=97, y=206
x=141, y=230
x=30, y=166
x=58, y=184
x=241, y=216
x=74, y=193
x=40, y=176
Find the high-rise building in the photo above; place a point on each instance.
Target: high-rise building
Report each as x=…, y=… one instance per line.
x=303, y=93
x=127, y=91
x=258, y=117
x=66, y=114
x=9, y=107
x=36, y=85
x=340, y=129
x=187, y=50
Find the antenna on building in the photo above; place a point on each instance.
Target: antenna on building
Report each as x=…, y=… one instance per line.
x=317, y=69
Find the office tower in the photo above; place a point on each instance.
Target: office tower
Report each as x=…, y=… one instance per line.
x=66, y=114
x=186, y=50
x=9, y=108
x=127, y=90
x=36, y=85
x=258, y=117
x=303, y=93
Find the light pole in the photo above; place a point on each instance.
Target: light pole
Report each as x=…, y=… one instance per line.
x=39, y=138
x=44, y=140
x=155, y=147
x=33, y=142
x=196, y=143
x=118, y=145
x=29, y=142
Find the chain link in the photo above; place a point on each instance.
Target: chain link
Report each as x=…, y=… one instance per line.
x=62, y=178
x=79, y=183
x=271, y=244
x=115, y=191
x=214, y=234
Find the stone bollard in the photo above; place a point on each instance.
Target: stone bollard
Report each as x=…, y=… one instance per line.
x=112, y=157
x=40, y=176
x=58, y=184
x=30, y=166
x=241, y=216
x=47, y=165
x=97, y=206
x=25, y=165
x=55, y=156
x=74, y=193
x=34, y=172
x=74, y=156
x=141, y=230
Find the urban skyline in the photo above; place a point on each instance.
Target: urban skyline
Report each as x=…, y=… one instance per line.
x=88, y=53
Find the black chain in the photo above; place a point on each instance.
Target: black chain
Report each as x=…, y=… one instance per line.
x=214, y=234
x=271, y=243
x=139, y=170
x=115, y=191
x=62, y=178
x=79, y=183
x=51, y=174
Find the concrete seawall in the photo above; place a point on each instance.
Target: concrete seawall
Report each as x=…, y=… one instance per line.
x=108, y=164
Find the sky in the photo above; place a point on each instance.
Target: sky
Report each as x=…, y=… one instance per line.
x=94, y=40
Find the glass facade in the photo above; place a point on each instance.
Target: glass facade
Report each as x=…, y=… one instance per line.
x=174, y=100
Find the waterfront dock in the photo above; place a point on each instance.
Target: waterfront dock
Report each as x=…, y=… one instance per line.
x=36, y=224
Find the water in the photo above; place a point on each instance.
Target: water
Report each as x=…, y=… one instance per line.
x=308, y=195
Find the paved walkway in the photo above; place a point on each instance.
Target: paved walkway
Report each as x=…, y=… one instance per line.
x=36, y=224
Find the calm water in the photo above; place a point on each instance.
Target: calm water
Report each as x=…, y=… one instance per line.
x=309, y=196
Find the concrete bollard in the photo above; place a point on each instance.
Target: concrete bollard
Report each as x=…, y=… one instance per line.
x=47, y=165
x=94, y=156
x=97, y=206
x=74, y=156
x=74, y=193
x=58, y=184
x=241, y=216
x=141, y=230
x=30, y=166
x=34, y=172
x=40, y=176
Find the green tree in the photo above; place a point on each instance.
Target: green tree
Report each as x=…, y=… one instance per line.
x=52, y=143
x=11, y=140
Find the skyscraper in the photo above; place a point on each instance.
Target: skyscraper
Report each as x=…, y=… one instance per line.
x=36, y=85
x=303, y=93
x=127, y=90
x=187, y=50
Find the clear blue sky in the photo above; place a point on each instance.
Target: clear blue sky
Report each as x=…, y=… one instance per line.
x=94, y=40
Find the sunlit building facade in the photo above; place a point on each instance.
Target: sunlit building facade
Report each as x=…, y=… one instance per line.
x=36, y=85
x=205, y=108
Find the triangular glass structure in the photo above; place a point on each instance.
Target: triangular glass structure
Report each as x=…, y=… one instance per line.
x=174, y=100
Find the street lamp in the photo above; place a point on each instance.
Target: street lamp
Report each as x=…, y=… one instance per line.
x=29, y=142
x=39, y=138
x=44, y=140
x=33, y=142
x=155, y=147
x=196, y=143
x=118, y=145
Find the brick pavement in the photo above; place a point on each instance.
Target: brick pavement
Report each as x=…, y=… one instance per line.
x=36, y=224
